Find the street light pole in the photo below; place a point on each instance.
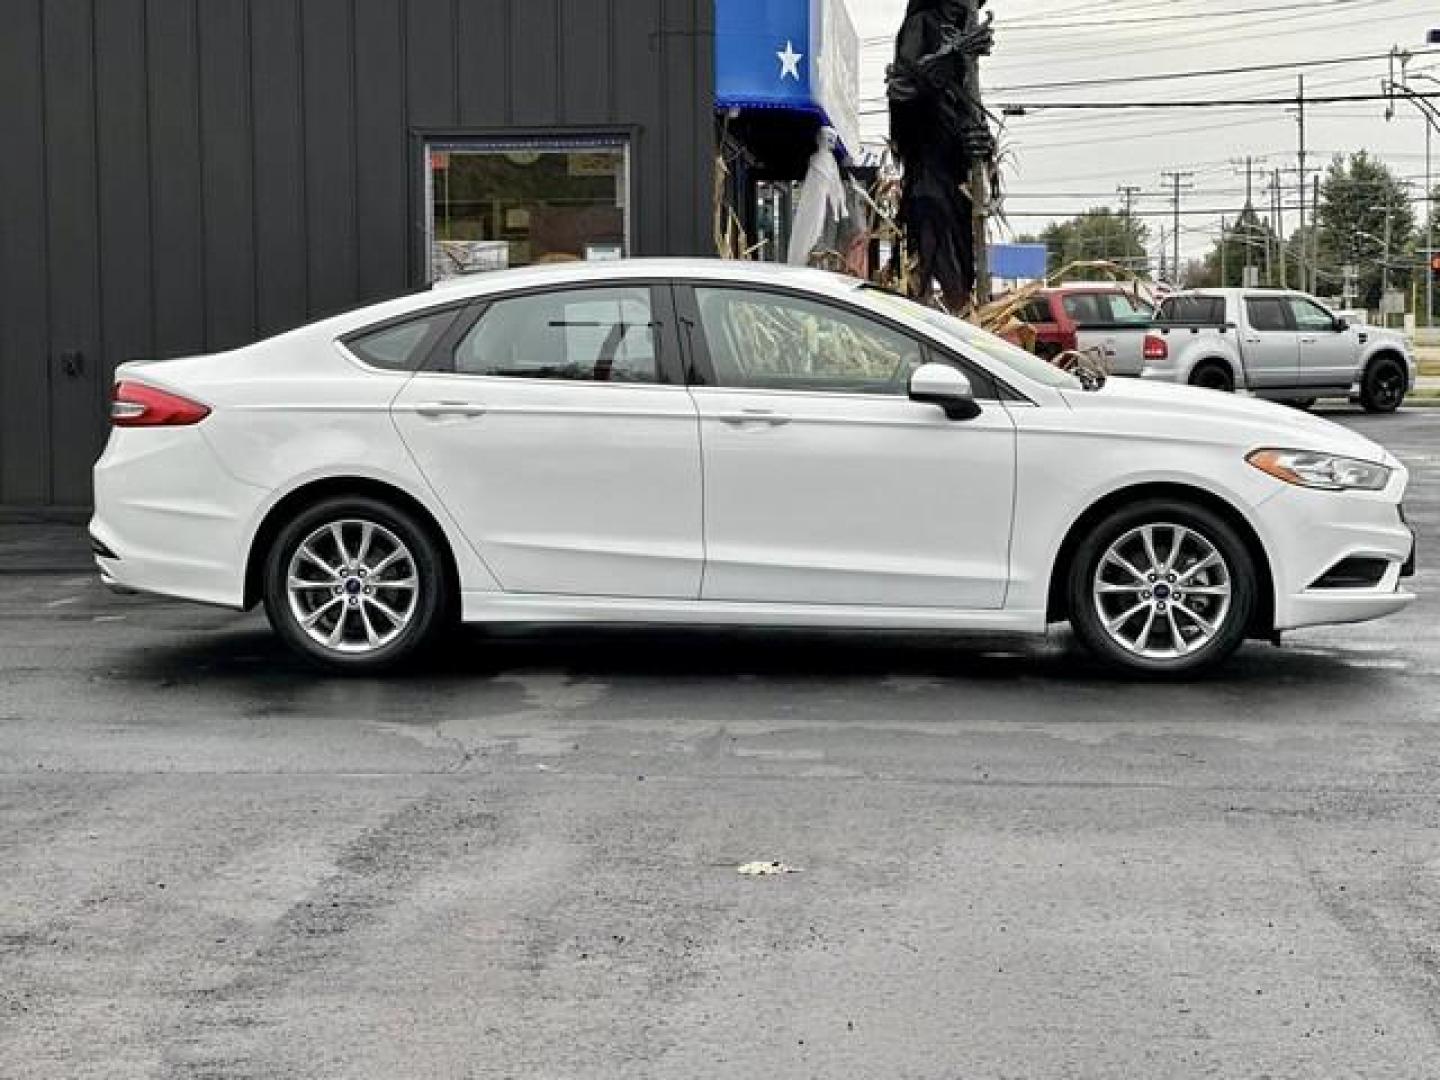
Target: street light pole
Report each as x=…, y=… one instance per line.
x=1431, y=116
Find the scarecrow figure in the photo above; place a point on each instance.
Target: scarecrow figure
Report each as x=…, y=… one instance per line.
x=940, y=134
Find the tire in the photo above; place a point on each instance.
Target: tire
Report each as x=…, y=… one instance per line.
x=366, y=607
x=1210, y=625
x=1213, y=375
x=1383, y=388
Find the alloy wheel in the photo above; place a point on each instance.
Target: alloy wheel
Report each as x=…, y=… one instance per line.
x=1163, y=591
x=1387, y=388
x=353, y=586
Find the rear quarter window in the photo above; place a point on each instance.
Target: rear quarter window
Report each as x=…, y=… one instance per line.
x=401, y=345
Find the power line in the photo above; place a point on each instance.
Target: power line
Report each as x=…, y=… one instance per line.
x=1003, y=25
x=1170, y=76
x=1025, y=108
x=1225, y=103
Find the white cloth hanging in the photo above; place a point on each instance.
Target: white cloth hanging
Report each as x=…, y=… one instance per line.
x=822, y=202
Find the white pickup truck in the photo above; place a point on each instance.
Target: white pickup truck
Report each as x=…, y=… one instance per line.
x=1280, y=345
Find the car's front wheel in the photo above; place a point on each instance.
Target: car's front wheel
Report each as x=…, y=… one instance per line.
x=1162, y=588
x=1383, y=388
x=356, y=585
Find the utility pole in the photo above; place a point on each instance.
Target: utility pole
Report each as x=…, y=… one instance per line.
x=1385, y=265
x=1128, y=193
x=1300, y=102
x=979, y=179
x=1224, y=258
x=1315, y=242
x=1277, y=191
x=1246, y=166
x=1179, y=182
x=1247, y=220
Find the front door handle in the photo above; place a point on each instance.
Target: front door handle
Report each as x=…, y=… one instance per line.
x=755, y=416
x=439, y=409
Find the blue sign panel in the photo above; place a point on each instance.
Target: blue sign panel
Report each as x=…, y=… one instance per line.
x=763, y=55
x=1012, y=262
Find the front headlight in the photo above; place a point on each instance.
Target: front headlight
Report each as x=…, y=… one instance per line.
x=1327, y=472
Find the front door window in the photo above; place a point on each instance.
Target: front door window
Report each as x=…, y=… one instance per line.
x=775, y=341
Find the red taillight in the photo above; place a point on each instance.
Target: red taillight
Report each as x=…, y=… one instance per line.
x=138, y=405
x=1156, y=348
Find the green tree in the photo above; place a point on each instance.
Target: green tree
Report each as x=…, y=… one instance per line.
x=1100, y=234
x=1365, y=220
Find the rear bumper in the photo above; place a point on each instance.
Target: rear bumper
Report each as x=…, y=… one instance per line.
x=169, y=519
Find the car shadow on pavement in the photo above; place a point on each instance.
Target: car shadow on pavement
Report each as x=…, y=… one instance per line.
x=710, y=655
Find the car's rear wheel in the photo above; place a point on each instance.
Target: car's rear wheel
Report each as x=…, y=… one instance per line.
x=1213, y=375
x=1383, y=388
x=1162, y=588
x=355, y=585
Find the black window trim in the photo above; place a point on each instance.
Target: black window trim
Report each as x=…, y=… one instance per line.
x=700, y=371
x=669, y=368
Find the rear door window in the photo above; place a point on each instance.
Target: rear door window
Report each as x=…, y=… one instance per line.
x=1193, y=310
x=575, y=335
x=1267, y=314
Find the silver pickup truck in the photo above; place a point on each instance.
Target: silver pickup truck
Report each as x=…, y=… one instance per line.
x=1280, y=345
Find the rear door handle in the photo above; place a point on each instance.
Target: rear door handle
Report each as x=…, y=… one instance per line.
x=1308, y=340
x=438, y=409
x=755, y=416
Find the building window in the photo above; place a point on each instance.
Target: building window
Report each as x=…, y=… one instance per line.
x=494, y=204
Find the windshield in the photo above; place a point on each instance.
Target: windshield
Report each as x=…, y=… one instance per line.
x=980, y=341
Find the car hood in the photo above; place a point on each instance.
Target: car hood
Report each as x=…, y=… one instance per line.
x=1210, y=416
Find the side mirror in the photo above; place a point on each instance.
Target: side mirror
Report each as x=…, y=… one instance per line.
x=1341, y=325
x=940, y=384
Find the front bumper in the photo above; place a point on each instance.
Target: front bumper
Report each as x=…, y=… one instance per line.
x=1310, y=532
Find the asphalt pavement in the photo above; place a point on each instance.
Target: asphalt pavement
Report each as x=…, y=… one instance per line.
x=521, y=862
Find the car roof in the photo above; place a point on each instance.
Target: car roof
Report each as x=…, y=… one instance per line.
x=480, y=285
x=580, y=272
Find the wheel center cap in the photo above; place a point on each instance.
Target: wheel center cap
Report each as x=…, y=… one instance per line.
x=1162, y=591
x=353, y=586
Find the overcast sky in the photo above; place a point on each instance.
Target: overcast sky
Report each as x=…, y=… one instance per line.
x=1066, y=162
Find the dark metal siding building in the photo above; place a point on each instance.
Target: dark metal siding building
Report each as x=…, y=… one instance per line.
x=182, y=176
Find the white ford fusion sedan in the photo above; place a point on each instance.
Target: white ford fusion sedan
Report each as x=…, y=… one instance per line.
x=724, y=443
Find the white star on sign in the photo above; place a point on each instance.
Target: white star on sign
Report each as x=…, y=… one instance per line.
x=790, y=62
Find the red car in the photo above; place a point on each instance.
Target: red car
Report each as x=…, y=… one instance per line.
x=1057, y=314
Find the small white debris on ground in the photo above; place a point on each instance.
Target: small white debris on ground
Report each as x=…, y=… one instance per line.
x=767, y=869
